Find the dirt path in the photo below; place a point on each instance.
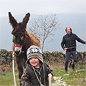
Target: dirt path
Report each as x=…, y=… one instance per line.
x=59, y=82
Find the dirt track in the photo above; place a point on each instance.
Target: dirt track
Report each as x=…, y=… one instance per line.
x=6, y=67
x=59, y=82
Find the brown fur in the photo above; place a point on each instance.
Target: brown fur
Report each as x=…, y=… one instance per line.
x=22, y=37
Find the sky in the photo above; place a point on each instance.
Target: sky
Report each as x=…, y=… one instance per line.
x=41, y=7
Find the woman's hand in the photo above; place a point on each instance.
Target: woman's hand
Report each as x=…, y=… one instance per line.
x=65, y=48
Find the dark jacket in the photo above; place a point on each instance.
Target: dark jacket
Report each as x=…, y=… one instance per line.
x=69, y=41
x=29, y=78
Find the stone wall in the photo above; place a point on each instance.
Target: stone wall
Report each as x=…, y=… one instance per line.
x=5, y=56
x=54, y=57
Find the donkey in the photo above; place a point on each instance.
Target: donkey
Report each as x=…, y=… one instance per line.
x=22, y=40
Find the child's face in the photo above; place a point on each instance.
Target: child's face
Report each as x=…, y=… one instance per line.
x=34, y=61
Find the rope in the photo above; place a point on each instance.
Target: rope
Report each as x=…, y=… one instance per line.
x=74, y=47
x=13, y=69
x=44, y=74
x=49, y=79
x=37, y=77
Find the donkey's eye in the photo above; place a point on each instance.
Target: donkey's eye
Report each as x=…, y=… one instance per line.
x=22, y=37
x=14, y=37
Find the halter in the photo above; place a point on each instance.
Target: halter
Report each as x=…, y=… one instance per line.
x=27, y=34
x=18, y=46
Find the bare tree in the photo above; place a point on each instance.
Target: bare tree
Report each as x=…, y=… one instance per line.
x=43, y=26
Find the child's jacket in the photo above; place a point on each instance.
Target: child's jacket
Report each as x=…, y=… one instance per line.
x=29, y=78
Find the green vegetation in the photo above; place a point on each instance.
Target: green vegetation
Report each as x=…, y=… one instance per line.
x=72, y=78
x=6, y=78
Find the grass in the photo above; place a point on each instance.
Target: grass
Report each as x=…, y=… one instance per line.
x=72, y=78
x=6, y=78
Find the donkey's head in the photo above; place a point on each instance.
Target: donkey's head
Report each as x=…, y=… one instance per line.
x=18, y=32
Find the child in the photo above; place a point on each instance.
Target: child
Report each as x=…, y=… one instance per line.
x=37, y=71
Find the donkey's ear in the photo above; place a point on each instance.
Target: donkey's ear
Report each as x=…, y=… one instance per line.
x=12, y=20
x=26, y=18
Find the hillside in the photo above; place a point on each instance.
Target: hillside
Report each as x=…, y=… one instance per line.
x=75, y=21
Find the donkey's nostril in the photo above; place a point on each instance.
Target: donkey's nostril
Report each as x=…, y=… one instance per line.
x=17, y=52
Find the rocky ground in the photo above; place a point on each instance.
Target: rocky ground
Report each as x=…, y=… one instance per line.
x=59, y=82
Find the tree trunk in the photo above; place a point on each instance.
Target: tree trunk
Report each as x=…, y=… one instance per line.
x=43, y=45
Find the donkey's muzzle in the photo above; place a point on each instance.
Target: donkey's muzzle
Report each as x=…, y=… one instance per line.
x=17, y=50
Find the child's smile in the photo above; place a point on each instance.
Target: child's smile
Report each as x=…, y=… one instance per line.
x=34, y=61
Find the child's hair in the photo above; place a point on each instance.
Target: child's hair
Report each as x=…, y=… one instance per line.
x=40, y=62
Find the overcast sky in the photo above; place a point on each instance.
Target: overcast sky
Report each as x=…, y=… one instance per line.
x=41, y=6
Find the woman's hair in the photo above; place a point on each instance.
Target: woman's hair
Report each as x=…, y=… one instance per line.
x=67, y=27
